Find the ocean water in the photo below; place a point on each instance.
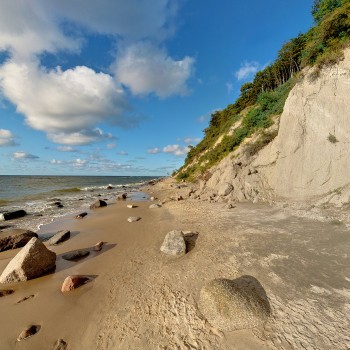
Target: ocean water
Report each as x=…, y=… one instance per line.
x=37, y=194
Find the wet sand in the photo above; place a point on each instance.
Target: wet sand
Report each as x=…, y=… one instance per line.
x=141, y=299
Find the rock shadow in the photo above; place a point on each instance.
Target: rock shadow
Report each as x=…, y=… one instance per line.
x=190, y=240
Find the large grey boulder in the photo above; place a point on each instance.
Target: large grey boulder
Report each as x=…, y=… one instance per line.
x=59, y=237
x=15, y=238
x=10, y=215
x=33, y=260
x=174, y=244
x=234, y=304
x=225, y=189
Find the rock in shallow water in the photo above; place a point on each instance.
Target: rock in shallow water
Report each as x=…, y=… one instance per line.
x=98, y=204
x=234, y=304
x=15, y=238
x=81, y=215
x=174, y=243
x=33, y=260
x=11, y=215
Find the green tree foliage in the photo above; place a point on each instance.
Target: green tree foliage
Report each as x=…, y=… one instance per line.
x=321, y=8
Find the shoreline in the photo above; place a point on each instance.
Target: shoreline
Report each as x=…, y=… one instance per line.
x=141, y=299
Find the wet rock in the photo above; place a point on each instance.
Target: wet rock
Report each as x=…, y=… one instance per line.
x=60, y=345
x=225, y=189
x=174, y=243
x=11, y=215
x=98, y=246
x=33, y=260
x=76, y=255
x=5, y=292
x=15, y=238
x=110, y=187
x=73, y=282
x=25, y=299
x=59, y=237
x=81, y=215
x=29, y=332
x=234, y=304
x=134, y=218
x=122, y=197
x=155, y=206
x=98, y=204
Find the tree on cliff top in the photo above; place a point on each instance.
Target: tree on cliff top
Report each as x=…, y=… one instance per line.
x=323, y=7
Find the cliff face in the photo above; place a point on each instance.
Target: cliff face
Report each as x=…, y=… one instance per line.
x=310, y=157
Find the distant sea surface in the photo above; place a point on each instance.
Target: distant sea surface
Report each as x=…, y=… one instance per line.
x=37, y=195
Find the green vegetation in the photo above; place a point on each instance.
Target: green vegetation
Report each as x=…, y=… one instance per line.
x=264, y=98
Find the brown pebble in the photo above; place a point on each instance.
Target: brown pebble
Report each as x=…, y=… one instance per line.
x=60, y=345
x=98, y=246
x=73, y=282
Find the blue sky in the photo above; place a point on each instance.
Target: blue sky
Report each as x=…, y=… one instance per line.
x=116, y=87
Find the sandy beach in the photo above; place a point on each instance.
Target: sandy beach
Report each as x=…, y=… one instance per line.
x=139, y=298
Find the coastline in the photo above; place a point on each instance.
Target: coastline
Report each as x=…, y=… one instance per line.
x=141, y=299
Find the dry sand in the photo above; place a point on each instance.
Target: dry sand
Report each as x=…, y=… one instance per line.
x=141, y=299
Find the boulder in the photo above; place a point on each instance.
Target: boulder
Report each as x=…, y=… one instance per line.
x=32, y=261
x=134, y=218
x=81, y=215
x=59, y=237
x=155, y=206
x=174, y=243
x=60, y=345
x=76, y=255
x=10, y=215
x=225, y=189
x=15, y=238
x=98, y=204
x=231, y=305
x=28, y=332
x=98, y=246
x=73, y=282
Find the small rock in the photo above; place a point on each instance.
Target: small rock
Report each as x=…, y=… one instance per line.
x=60, y=345
x=11, y=215
x=230, y=206
x=59, y=237
x=122, y=197
x=98, y=204
x=5, y=292
x=15, y=238
x=73, y=282
x=153, y=198
x=110, y=187
x=76, y=255
x=25, y=298
x=98, y=246
x=81, y=215
x=32, y=261
x=134, y=218
x=131, y=206
x=155, y=206
x=27, y=333
x=174, y=243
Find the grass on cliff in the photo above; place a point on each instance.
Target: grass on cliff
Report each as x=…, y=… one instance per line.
x=263, y=98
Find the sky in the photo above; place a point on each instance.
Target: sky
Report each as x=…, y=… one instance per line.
x=115, y=87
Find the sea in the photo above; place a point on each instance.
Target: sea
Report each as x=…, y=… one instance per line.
x=47, y=198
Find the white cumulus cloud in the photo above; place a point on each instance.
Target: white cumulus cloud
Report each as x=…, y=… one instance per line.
x=6, y=138
x=153, y=150
x=176, y=150
x=21, y=155
x=247, y=70
x=64, y=104
x=146, y=68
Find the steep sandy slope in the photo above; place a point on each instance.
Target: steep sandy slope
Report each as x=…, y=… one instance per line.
x=310, y=157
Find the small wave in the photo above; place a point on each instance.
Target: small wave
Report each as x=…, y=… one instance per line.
x=68, y=190
x=4, y=202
